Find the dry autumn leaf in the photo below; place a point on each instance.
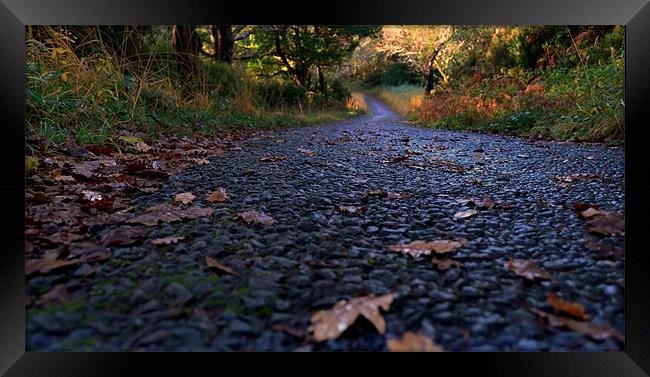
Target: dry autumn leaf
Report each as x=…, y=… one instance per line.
x=46, y=265
x=527, y=269
x=213, y=264
x=591, y=212
x=606, y=225
x=413, y=342
x=307, y=152
x=273, y=158
x=219, y=195
x=352, y=210
x=418, y=248
x=445, y=263
x=166, y=240
x=122, y=236
x=571, y=308
x=255, y=217
x=465, y=214
x=592, y=330
x=184, y=198
x=330, y=324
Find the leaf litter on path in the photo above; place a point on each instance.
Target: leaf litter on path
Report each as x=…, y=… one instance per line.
x=413, y=342
x=330, y=324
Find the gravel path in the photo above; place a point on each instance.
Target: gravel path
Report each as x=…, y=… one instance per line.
x=164, y=298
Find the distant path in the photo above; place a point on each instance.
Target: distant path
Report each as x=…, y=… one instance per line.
x=163, y=298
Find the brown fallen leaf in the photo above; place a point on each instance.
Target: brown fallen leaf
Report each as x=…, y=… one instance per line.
x=448, y=166
x=219, y=195
x=576, y=177
x=418, y=248
x=248, y=172
x=527, y=269
x=91, y=253
x=590, y=329
x=86, y=168
x=465, y=214
x=46, y=265
x=307, y=152
x=212, y=263
x=445, y=263
x=63, y=238
x=141, y=146
x=605, y=250
x=477, y=203
x=166, y=240
x=571, y=308
x=413, y=342
x=606, y=225
x=125, y=235
x=394, y=196
x=273, y=158
x=330, y=324
x=58, y=293
x=591, y=212
x=352, y=210
x=255, y=217
x=64, y=178
x=184, y=197
x=580, y=207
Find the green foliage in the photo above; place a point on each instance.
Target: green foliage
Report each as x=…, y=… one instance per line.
x=398, y=73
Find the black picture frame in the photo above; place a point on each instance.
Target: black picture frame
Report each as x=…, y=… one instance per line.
x=15, y=14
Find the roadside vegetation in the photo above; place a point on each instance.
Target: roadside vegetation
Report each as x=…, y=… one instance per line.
x=91, y=83
x=564, y=83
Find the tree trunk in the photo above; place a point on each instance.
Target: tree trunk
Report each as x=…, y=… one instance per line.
x=186, y=44
x=431, y=78
x=216, y=45
x=227, y=44
x=322, y=87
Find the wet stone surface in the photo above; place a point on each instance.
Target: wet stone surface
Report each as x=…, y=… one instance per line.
x=149, y=297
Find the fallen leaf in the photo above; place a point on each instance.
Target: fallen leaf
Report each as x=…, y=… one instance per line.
x=580, y=207
x=91, y=253
x=64, y=178
x=87, y=168
x=184, y=197
x=219, y=195
x=248, y=172
x=273, y=158
x=394, y=196
x=212, y=263
x=605, y=250
x=352, y=210
x=418, y=248
x=46, y=265
x=91, y=196
x=255, y=217
x=445, y=263
x=591, y=212
x=141, y=146
x=465, y=214
x=527, y=269
x=590, y=329
x=63, y=238
x=606, y=225
x=58, y=293
x=330, y=324
x=166, y=240
x=571, y=308
x=307, y=152
x=125, y=235
x=413, y=342
x=576, y=177
x=478, y=203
